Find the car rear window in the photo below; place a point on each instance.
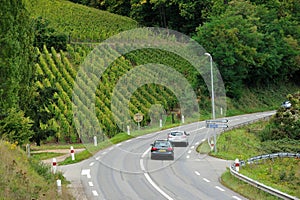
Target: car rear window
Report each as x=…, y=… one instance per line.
x=161, y=143
x=176, y=133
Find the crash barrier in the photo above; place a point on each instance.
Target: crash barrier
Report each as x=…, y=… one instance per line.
x=259, y=185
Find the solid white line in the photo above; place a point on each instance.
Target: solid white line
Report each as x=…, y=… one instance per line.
x=95, y=193
x=206, y=180
x=156, y=187
x=235, y=197
x=91, y=184
x=197, y=173
x=91, y=164
x=146, y=152
x=219, y=188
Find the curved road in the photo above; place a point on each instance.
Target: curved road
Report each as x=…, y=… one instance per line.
x=125, y=171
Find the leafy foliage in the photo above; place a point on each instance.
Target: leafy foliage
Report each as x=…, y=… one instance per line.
x=286, y=122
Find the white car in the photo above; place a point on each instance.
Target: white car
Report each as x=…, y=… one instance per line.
x=178, y=138
x=286, y=104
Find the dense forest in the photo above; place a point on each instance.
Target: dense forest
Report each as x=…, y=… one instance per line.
x=255, y=44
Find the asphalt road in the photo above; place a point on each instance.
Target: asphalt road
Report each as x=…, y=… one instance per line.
x=125, y=171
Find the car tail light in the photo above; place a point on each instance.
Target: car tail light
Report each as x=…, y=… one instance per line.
x=170, y=149
x=153, y=149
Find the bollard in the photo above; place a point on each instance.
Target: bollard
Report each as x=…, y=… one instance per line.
x=212, y=145
x=58, y=183
x=54, y=165
x=95, y=141
x=160, y=123
x=128, y=130
x=237, y=165
x=72, y=153
x=182, y=119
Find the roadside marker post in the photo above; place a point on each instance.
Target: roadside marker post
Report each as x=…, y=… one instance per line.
x=58, y=183
x=160, y=123
x=128, y=130
x=95, y=141
x=54, y=165
x=237, y=165
x=72, y=153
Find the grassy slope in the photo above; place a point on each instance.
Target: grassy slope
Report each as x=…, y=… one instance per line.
x=243, y=143
x=80, y=22
x=20, y=181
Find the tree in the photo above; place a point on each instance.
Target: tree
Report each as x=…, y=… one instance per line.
x=41, y=115
x=285, y=123
x=15, y=127
x=16, y=55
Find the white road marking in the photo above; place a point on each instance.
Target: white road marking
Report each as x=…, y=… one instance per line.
x=197, y=173
x=196, y=143
x=219, y=188
x=206, y=180
x=156, y=187
x=119, y=144
x=235, y=197
x=95, y=193
x=111, y=148
x=91, y=184
x=190, y=151
x=203, y=140
x=145, y=153
x=128, y=140
x=86, y=172
x=192, y=147
x=91, y=164
x=142, y=165
x=188, y=156
x=98, y=158
x=104, y=152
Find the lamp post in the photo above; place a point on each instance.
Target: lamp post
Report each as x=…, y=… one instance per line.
x=212, y=97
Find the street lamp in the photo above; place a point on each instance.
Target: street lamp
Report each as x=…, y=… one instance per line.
x=212, y=97
x=212, y=86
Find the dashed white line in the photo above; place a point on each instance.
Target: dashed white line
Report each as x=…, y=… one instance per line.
x=197, y=143
x=190, y=151
x=197, y=173
x=206, y=180
x=98, y=158
x=188, y=156
x=203, y=140
x=91, y=184
x=104, y=152
x=95, y=193
x=91, y=164
x=119, y=144
x=235, y=197
x=219, y=188
x=192, y=147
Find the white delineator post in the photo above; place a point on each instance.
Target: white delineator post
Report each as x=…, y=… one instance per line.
x=72, y=153
x=58, y=183
x=237, y=165
x=95, y=141
x=182, y=119
x=54, y=165
x=128, y=130
x=160, y=123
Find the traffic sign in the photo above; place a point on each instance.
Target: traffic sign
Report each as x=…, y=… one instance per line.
x=217, y=121
x=213, y=125
x=138, y=117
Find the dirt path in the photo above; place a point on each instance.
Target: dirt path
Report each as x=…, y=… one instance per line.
x=61, y=158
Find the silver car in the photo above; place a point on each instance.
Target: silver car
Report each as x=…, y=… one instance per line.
x=178, y=138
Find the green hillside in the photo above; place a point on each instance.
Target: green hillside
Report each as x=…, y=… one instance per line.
x=81, y=23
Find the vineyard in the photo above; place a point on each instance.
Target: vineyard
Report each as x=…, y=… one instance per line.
x=60, y=70
x=80, y=23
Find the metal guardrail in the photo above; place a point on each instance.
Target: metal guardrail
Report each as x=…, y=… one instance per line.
x=259, y=185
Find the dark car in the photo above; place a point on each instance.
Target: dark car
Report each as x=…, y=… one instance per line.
x=178, y=138
x=162, y=149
